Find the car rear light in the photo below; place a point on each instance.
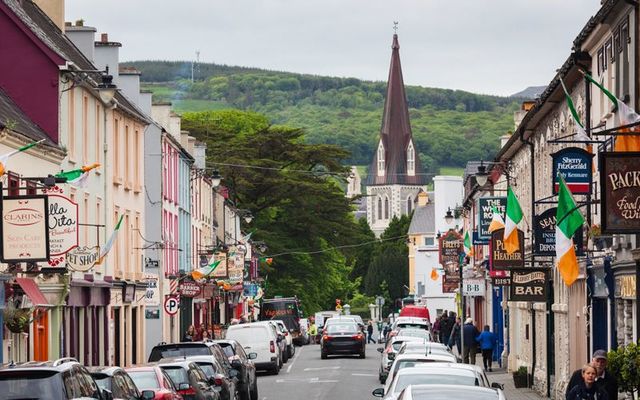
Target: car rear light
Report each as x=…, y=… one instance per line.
x=327, y=337
x=168, y=396
x=358, y=336
x=187, y=392
x=217, y=381
x=286, y=333
x=272, y=347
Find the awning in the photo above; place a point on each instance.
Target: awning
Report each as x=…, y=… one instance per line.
x=33, y=291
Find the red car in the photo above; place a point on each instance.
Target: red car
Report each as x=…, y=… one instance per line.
x=154, y=378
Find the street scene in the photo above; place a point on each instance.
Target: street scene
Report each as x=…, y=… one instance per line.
x=352, y=199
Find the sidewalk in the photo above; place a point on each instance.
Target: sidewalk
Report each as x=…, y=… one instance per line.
x=500, y=375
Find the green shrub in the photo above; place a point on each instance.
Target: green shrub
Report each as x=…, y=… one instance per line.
x=624, y=364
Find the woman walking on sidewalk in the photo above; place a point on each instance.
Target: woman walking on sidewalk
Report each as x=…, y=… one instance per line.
x=487, y=342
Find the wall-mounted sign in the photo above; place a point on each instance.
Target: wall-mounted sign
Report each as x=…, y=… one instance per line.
x=63, y=224
x=575, y=166
x=626, y=287
x=544, y=230
x=500, y=259
x=189, y=289
x=25, y=229
x=450, y=247
x=473, y=287
x=529, y=284
x=128, y=293
x=485, y=215
x=82, y=258
x=152, y=295
x=620, y=188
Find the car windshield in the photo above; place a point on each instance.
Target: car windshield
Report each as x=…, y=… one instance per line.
x=341, y=328
x=103, y=381
x=421, y=333
x=177, y=374
x=159, y=353
x=434, y=379
x=30, y=384
x=460, y=393
x=396, y=345
x=208, y=368
x=144, y=379
x=228, y=349
x=411, y=325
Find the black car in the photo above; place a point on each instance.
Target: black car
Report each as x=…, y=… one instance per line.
x=117, y=384
x=243, y=364
x=52, y=380
x=185, y=349
x=342, y=337
x=188, y=377
x=224, y=381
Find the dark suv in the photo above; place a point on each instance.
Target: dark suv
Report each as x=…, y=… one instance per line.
x=185, y=349
x=241, y=361
x=63, y=379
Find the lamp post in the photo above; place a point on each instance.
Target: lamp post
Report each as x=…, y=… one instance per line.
x=449, y=219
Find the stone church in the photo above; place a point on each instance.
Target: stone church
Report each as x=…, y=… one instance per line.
x=395, y=175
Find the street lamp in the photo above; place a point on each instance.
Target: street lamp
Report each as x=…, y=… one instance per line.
x=106, y=89
x=482, y=175
x=216, y=178
x=448, y=218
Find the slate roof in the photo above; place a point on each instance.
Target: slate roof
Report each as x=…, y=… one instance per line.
x=395, y=132
x=424, y=218
x=12, y=117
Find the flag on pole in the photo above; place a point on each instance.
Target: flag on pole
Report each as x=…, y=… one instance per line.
x=580, y=134
x=496, y=220
x=468, y=248
x=514, y=216
x=434, y=274
x=568, y=220
x=107, y=246
x=625, y=115
x=4, y=159
x=206, y=270
x=76, y=175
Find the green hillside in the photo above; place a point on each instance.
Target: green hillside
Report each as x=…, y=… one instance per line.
x=450, y=127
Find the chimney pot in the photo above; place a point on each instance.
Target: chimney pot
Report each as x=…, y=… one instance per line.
x=68, y=23
x=104, y=38
x=80, y=22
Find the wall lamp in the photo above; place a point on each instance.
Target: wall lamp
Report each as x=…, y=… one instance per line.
x=106, y=88
x=453, y=214
x=216, y=178
x=482, y=175
x=246, y=215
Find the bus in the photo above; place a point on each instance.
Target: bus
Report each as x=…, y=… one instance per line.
x=286, y=309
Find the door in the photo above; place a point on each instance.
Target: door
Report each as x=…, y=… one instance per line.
x=40, y=335
x=116, y=335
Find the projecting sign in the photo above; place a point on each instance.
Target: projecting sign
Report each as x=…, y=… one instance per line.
x=450, y=283
x=450, y=247
x=473, y=287
x=544, y=230
x=63, y=224
x=500, y=278
x=575, y=166
x=25, y=229
x=485, y=215
x=620, y=188
x=82, y=258
x=500, y=259
x=528, y=284
x=189, y=289
x=221, y=270
x=152, y=295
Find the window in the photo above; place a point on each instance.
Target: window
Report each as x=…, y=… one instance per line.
x=136, y=160
x=85, y=130
x=411, y=162
x=72, y=125
x=386, y=208
x=98, y=145
x=428, y=241
x=409, y=205
x=127, y=156
x=380, y=159
x=379, y=208
x=116, y=150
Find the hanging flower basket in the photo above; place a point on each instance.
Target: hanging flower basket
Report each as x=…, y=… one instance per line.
x=17, y=320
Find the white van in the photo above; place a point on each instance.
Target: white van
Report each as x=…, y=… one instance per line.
x=258, y=338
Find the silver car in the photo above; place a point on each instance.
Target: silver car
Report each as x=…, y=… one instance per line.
x=448, y=392
x=389, y=353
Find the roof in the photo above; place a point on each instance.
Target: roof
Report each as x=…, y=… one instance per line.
x=395, y=132
x=13, y=118
x=423, y=220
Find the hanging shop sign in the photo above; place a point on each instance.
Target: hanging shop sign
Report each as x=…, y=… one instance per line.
x=529, y=284
x=620, y=188
x=152, y=295
x=236, y=267
x=500, y=259
x=544, y=230
x=500, y=277
x=221, y=270
x=451, y=245
x=450, y=282
x=25, y=229
x=189, y=289
x=473, y=287
x=63, y=224
x=575, y=166
x=485, y=216
x=82, y=258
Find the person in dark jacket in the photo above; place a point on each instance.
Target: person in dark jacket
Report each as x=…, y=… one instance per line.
x=587, y=388
x=487, y=340
x=370, y=332
x=454, y=336
x=190, y=334
x=469, y=335
x=446, y=324
x=604, y=378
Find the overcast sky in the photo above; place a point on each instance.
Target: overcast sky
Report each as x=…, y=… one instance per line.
x=482, y=46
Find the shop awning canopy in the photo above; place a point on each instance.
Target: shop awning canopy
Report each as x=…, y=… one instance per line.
x=33, y=292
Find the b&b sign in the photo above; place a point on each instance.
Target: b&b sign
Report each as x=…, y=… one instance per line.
x=473, y=287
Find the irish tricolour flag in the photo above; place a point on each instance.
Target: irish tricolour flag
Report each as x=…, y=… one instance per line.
x=514, y=216
x=4, y=159
x=107, y=246
x=496, y=220
x=568, y=220
x=78, y=177
x=580, y=134
x=206, y=270
x=468, y=247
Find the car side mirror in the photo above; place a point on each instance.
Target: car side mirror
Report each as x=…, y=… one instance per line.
x=379, y=392
x=148, y=395
x=252, y=356
x=183, y=386
x=497, y=385
x=380, y=350
x=106, y=394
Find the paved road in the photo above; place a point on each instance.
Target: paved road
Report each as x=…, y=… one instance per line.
x=307, y=377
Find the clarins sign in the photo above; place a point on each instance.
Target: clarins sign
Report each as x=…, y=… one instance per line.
x=620, y=188
x=25, y=229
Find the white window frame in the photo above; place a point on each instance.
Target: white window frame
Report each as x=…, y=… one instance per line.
x=411, y=160
x=381, y=160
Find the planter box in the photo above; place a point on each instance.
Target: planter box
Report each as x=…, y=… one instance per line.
x=522, y=381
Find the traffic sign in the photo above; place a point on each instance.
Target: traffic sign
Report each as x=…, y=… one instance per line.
x=379, y=301
x=171, y=305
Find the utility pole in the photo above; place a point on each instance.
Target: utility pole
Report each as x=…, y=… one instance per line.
x=194, y=65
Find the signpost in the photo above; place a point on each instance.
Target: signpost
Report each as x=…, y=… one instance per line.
x=473, y=287
x=529, y=284
x=500, y=259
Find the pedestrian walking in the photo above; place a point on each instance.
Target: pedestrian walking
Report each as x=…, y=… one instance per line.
x=446, y=325
x=454, y=336
x=436, y=329
x=313, y=332
x=469, y=335
x=587, y=388
x=604, y=379
x=370, y=332
x=487, y=340
x=190, y=334
x=387, y=329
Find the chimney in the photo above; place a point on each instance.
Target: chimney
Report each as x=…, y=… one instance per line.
x=504, y=139
x=82, y=36
x=107, y=54
x=54, y=10
x=130, y=83
x=423, y=198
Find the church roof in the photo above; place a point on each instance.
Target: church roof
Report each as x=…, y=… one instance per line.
x=395, y=133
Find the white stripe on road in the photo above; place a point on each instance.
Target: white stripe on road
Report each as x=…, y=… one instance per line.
x=364, y=375
x=295, y=357
x=320, y=368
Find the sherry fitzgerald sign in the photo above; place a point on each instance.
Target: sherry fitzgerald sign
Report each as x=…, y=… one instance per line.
x=620, y=184
x=575, y=166
x=25, y=229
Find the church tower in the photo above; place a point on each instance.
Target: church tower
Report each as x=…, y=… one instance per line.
x=395, y=174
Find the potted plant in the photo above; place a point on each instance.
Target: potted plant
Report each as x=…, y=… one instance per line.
x=521, y=377
x=17, y=320
x=624, y=364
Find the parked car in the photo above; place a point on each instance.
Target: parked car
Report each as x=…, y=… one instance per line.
x=419, y=333
x=447, y=392
x=415, y=311
x=343, y=337
x=118, y=384
x=152, y=377
x=241, y=361
x=261, y=339
x=290, y=348
x=418, y=360
x=423, y=347
x=185, y=349
x=390, y=351
x=217, y=375
x=188, y=377
x=281, y=342
x=52, y=380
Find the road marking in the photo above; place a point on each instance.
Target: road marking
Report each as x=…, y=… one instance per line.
x=325, y=381
x=364, y=375
x=295, y=357
x=321, y=368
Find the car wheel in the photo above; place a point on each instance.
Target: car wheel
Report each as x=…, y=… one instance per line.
x=292, y=351
x=380, y=378
x=254, y=392
x=362, y=354
x=285, y=355
x=323, y=355
x=244, y=393
x=275, y=370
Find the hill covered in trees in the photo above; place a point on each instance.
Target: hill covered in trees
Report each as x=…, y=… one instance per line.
x=450, y=127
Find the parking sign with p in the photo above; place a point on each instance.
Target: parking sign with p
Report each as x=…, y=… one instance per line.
x=171, y=305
